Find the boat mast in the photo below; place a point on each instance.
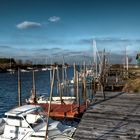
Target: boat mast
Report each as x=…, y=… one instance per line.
x=19, y=88
x=95, y=57
x=51, y=71
x=84, y=63
x=126, y=59
x=74, y=79
x=78, y=97
x=63, y=77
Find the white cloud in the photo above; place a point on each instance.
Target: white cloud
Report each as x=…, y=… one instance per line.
x=28, y=24
x=54, y=19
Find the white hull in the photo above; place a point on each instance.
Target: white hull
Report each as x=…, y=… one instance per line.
x=23, y=70
x=24, y=123
x=44, y=69
x=29, y=134
x=2, y=125
x=57, y=100
x=11, y=71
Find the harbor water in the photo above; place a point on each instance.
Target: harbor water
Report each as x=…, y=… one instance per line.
x=9, y=87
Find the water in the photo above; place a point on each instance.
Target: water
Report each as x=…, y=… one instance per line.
x=9, y=87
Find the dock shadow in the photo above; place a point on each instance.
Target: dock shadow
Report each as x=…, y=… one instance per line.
x=106, y=98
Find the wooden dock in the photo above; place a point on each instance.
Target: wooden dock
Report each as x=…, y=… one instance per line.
x=115, y=118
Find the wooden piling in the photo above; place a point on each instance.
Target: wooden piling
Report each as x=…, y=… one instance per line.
x=58, y=82
x=93, y=89
x=50, y=74
x=78, y=97
x=19, y=88
x=84, y=94
x=66, y=80
x=49, y=108
x=75, y=87
x=33, y=88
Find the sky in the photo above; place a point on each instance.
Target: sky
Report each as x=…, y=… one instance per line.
x=36, y=29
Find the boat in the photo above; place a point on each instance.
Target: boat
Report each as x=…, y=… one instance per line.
x=2, y=125
x=65, y=99
x=60, y=106
x=55, y=100
x=88, y=81
x=24, y=70
x=29, y=122
x=11, y=71
x=44, y=69
x=36, y=70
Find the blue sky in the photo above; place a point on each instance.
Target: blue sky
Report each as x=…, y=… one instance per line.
x=52, y=28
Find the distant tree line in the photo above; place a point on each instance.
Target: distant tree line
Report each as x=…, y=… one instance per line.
x=6, y=63
x=13, y=61
x=7, y=60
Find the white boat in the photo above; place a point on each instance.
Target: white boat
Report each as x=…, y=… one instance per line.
x=11, y=71
x=65, y=99
x=29, y=123
x=36, y=70
x=2, y=125
x=44, y=69
x=55, y=100
x=23, y=70
x=50, y=68
x=29, y=68
x=71, y=83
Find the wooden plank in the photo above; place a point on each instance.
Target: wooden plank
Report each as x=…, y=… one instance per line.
x=116, y=118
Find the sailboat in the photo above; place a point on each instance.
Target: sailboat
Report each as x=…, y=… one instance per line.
x=28, y=122
x=10, y=70
x=45, y=67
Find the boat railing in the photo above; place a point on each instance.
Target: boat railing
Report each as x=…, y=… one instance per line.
x=28, y=123
x=27, y=135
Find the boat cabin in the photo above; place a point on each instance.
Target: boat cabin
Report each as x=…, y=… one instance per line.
x=22, y=120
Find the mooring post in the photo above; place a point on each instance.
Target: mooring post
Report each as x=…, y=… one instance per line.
x=75, y=87
x=49, y=107
x=19, y=88
x=34, y=88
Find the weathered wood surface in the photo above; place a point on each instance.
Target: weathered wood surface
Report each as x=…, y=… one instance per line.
x=115, y=118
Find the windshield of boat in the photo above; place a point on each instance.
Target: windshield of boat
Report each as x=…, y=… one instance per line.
x=36, y=117
x=14, y=117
